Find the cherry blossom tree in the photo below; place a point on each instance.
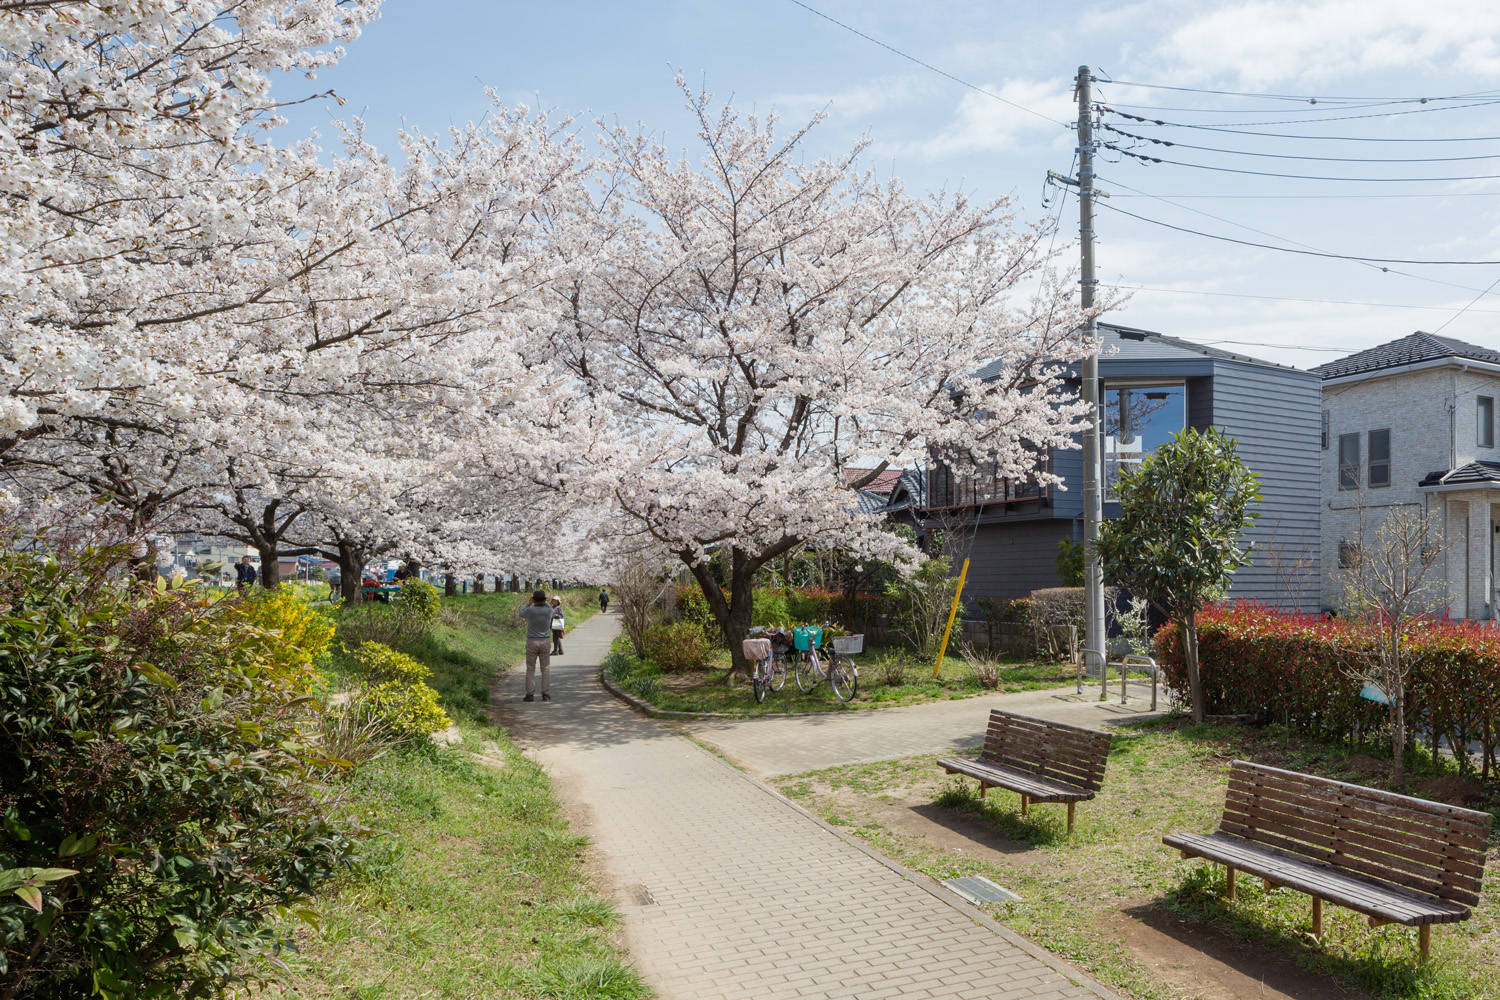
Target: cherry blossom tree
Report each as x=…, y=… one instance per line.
x=759, y=321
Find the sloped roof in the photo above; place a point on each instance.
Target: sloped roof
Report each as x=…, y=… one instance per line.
x=910, y=491
x=1408, y=350
x=881, y=484
x=1473, y=474
x=1126, y=343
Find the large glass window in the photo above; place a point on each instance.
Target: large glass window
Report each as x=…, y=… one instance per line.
x=1485, y=412
x=1348, y=461
x=1138, y=417
x=1380, y=458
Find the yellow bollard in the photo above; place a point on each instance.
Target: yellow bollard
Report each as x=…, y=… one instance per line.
x=952, y=614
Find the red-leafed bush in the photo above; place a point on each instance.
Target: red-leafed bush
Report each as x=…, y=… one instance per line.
x=1294, y=669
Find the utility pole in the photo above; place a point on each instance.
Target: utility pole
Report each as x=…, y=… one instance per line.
x=1093, y=505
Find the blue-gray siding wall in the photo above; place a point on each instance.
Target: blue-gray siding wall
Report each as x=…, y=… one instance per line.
x=1275, y=416
x=1012, y=560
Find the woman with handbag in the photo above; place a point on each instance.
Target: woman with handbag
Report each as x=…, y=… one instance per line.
x=558, y=625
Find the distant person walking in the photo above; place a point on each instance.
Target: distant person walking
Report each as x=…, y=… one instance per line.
x=604, y=602
x=538, y=618
x=559, y=625
x=244, y=573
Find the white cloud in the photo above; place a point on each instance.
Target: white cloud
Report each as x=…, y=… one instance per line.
x=880, y=95
x=982, y=124
x=1272, y=42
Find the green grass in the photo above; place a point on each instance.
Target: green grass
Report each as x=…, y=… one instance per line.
x=887, y=679
x=1078, y=891
x=476, y=884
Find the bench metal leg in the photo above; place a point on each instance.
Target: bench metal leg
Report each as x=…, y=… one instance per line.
x=1317, y=917
x=1070, y=816
x=1229, y=884
x=1424, y=939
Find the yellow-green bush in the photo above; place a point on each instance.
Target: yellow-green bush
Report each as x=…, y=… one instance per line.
x=289, y=637
x=396, y=693
x=379, y=662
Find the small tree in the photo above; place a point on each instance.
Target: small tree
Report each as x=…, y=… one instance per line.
x=1389, y=583
x=921, y=602
x=638, y=589
x=1177, y=542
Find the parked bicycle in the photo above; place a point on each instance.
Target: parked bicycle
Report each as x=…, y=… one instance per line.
x=768, y=671
x=842, y=672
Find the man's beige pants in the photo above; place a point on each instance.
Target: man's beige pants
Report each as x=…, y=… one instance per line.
x=538, y=650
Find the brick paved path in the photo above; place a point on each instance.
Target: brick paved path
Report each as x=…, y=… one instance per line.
x=729, y=891
x=773, y=746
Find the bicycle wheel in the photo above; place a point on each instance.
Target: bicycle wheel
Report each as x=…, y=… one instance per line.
x=808, y=674
x=778, y=675
x=843, y=678
x=758, y=685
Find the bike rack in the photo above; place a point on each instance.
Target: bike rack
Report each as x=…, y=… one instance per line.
x=1150, y=667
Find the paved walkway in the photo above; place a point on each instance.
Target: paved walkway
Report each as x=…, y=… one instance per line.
x=729, y=891
x=773, y=746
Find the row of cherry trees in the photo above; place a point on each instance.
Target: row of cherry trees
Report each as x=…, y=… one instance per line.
x=505, y=349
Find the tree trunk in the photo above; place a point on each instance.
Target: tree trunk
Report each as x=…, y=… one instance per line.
x=1398, y=737
x=479, y=584
x=351, y=571
x=450, y=585
x=270, y=569
x=1190, y=655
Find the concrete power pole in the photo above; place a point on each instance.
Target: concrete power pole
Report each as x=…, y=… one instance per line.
x=1093, y=505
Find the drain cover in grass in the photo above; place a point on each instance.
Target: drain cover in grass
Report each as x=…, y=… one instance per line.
x=978, y=889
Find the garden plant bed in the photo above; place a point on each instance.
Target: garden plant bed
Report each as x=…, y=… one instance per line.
x=1113, y=899
x=477, y=884
x=705, y=692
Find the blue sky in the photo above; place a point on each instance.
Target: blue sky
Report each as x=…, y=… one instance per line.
x=426, y=64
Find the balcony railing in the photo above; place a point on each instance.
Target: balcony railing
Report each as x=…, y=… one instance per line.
x=973, y=487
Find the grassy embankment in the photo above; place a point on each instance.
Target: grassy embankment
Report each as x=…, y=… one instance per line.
x=476, y=887
x=1128, y=909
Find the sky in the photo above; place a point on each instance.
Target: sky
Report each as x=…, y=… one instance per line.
x=1367, y=64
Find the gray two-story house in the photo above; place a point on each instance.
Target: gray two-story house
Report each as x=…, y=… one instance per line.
x=1414, y=424
x=1152, y=386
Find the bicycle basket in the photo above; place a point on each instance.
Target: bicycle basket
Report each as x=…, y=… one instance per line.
x=849, y=644
x=806, y=637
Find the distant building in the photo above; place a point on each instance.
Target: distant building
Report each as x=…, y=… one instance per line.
x=1413, y=423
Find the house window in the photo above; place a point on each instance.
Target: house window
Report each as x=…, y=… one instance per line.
x=1138, y=417
x=1485, y=412
x=1325, y=430
x=1348, y=461
x=1379, y=472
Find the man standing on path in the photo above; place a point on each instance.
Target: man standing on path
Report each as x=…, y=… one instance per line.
x=538, y=618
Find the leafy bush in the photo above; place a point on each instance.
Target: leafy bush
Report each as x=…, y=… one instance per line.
x=920, y=603
x=417, y=604
x=772, y=607
x=692, y=607
x=814, y=604
x=1069, y=562
x=148, y=746
x=677, y=646
x=1293, y=669
x=289, y=636
x=396, y=695
x=411, y=616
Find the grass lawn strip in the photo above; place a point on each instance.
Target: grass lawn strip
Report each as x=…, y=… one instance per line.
x=1094, y=897
x=476, y=887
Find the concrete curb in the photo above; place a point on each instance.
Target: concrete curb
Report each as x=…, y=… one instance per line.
x=931, y=886
x=650, y=710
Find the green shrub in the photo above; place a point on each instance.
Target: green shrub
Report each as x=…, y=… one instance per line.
x=396, y=695
x=692, y=607
x=677, y=646
x=417, y=604
x=148, y=748
x=1293, y=669
x=410, y=617
x=772, y=607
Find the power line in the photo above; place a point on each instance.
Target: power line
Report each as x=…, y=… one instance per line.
x=1309, y=98
x=1300, y=135
x=929, y=66
x=1306, y=253
x=1294, y=298
x=1466, y=308
x=1114, y=108
x=1300, y=177
x=1298, y=156
x=1321, y=197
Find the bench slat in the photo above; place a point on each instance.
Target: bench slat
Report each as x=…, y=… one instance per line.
x=1055, y=751
x=1281, y=868
x=1034, y=788
x=1377, y=807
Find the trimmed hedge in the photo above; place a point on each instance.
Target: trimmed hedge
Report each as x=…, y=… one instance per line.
x=1293, y=669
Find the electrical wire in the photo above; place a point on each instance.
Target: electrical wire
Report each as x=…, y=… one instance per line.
x=1113, y=108
x=1309, y=98
x=1297, y=156
x=1466, y=308
x=929, y=66
x=1301, y=177
x=1311, y=109
x=1299, y=135
x=1321, y=197
x=1305, y=253
x=1290, y=298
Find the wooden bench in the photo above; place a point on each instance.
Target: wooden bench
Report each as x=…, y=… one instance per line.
x=1041, y=761
x=1394, y=858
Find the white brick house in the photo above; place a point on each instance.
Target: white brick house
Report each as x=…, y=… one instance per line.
x=1416, y=422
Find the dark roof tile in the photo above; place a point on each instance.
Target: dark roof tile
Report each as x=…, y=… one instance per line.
x=1473, y=474
x=1408, y=350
